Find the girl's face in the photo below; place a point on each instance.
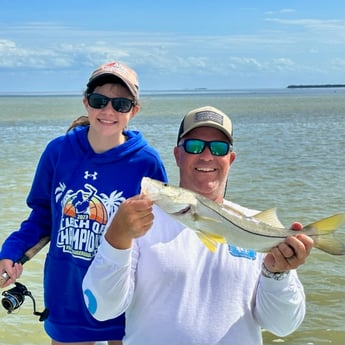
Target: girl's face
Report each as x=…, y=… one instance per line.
x=107, y=124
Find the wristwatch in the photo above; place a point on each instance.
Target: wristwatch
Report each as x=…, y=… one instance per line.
x=273, y=275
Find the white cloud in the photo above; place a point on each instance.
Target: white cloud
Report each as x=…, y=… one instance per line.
x=6, y=44
x=282, y=11
x=71, y=51
x=312, y=24
x=283, y=64
x=337, y=64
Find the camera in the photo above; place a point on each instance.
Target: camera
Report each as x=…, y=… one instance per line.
x=14, y=297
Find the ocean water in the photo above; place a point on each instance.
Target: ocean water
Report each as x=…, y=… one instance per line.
x=290, y=155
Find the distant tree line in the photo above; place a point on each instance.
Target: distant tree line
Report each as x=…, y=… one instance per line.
x=314, y=86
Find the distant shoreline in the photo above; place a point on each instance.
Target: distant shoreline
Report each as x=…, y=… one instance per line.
x=184, y=92
x=315, y=86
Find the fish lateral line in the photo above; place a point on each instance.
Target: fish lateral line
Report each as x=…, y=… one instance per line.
x=237, y=225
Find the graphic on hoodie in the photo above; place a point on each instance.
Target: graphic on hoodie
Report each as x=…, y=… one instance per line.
x=84, y=216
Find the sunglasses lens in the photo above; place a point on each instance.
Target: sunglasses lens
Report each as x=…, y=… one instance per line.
x=194, y=146
x=97, y=101
x=122, y=105
x=219, y=148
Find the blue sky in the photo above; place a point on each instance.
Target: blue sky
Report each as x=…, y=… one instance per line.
x=53, y=46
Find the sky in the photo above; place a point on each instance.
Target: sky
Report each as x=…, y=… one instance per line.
x=53, y=46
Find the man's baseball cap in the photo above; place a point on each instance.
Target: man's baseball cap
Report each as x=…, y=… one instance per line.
x=206, y=117
x=109, y=70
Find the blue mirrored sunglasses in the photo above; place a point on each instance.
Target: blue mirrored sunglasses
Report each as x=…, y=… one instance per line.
x=197, y=146
x=120, y=104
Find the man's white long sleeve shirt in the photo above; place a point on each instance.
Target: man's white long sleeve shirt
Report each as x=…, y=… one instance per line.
x=175, y=291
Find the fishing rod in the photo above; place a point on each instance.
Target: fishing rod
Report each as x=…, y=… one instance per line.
x=14, y=298
x=29, y=254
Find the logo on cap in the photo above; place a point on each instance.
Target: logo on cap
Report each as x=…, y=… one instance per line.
x=209, y=116
x=115, y=67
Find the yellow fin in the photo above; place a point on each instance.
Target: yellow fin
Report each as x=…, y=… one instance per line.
x=330, y=245
x=322, y=234
x=326, y=225
x=269, y=217
x=210, y=240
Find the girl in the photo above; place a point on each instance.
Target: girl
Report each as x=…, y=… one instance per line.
x=81, y=179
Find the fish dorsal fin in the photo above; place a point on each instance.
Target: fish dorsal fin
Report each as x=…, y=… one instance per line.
x=210, y=240
x=269, y=217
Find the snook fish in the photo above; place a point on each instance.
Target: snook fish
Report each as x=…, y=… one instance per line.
x=213, y=224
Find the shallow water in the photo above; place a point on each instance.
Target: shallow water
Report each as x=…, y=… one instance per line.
x=290, y=154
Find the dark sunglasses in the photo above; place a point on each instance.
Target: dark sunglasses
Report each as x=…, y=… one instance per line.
x=120, y=104
x=196, y=146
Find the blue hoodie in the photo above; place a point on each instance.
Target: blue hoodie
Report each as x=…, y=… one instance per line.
x=75, y=192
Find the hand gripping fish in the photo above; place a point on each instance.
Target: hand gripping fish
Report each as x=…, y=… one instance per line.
x=213, y=224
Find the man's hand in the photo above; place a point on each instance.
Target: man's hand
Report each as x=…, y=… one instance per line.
x=291, y=253
x=133, y=219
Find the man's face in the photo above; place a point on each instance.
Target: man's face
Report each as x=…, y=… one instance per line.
x=204, y=173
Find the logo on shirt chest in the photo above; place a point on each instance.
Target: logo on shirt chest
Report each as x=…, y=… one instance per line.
x=242, y=252
x=90, y=175
x=84, y=215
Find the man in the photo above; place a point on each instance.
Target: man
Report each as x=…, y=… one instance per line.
x=173, y=289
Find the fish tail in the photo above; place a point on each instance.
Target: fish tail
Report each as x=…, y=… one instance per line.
x=322, y=233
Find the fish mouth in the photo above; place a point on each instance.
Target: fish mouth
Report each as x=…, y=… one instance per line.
x=183, y=211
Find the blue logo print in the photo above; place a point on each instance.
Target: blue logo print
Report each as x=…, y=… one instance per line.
x=242, y=252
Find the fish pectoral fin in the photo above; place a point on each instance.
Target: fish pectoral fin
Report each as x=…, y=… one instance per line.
x=322, y=234
x=210, y=240
x=269, y=217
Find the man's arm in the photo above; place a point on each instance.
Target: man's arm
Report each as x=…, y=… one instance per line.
x=280, y=298
x=280, y=304
x=108, y=284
